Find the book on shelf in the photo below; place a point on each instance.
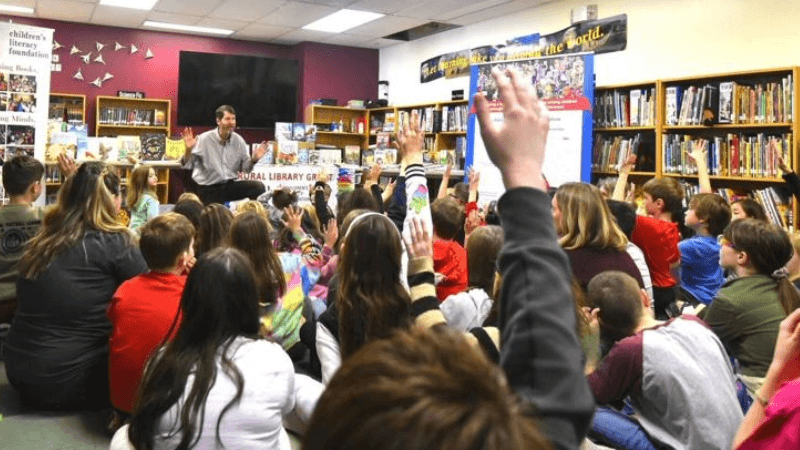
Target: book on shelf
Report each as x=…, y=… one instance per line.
x=776, y=201
x=330, y=156
x=383, y=141
x=368, y=158
x=154, y=146
x=131, y=116
x=303, y=149
x=630, y=108
x=752, y=155
x=725, y=102
x=298, y=131
x=159, y=118
x=100, y=149
x=61, y=143
x=611, y=152
x=313, y=156
x=389, y=122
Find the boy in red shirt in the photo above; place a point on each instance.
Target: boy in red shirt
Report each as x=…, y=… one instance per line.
x=449, y=257
x=145, y=309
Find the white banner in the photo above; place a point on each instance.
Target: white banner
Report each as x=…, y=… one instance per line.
x=296, y=177
x=25, y=54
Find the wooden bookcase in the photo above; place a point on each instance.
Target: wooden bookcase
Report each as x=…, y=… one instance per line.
x=326, y=117
x=665, y=134
x=73, y=106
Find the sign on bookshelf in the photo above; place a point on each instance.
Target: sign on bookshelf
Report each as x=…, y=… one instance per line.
x=566, y=85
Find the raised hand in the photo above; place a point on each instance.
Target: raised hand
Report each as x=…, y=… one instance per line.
x=699, y=154
x=259, y=152
x=628, y=165
x=419, y=243
x=189, y=139
x=294, y=218
x=409, y=140
x=516, y=146
x=331, y=233
x=66, y=164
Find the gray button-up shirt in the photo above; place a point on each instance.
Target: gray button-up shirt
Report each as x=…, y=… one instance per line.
x=216, y=161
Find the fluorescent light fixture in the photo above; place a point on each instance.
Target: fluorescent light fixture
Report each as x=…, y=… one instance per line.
x=145, y=5
x=187, y=28
x=342, y=20
x=16, y=9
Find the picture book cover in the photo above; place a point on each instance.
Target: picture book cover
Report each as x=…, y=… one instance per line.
x=310, y=133
x=153, y=146
x=314, y=156
x=330, y=156
x=283, y=131
x=269, y=155
x=287, y=152
x=367, y=158
x=379, y=156
x=159, y=118
x=174, y=149
x=61, y=143
x=102, y=149
x=298, y=131
x=303, y=148
x=128, y=146
x=382, y=141
x=81, y=131
x=352, y=154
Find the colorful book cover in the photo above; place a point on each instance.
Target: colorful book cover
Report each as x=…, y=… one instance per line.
x=269, y=155
x=154, y=146
x=310, y=133
x=380, y=156
x=61, y=143
x=287, y=152
x=352, y=154
x=128, y=146
x=314, y=157
x=368, y=158
x=175, y=148
x=159, y=118
x=391, y=156
x=106, y=150
x=302, y=152
x=82, y=133
x=382, y=141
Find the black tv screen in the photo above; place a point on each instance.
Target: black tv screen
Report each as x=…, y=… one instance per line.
x=261, y=90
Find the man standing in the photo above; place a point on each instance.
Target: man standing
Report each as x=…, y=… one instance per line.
x=215, y=158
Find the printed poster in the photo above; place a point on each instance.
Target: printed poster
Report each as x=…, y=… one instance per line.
x=296, y=177
x=565, y=84
x=25, y=54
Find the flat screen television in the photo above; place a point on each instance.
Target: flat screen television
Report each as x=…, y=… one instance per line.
x=261, y=90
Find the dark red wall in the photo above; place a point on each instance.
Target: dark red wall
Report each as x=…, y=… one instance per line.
x=328, y=71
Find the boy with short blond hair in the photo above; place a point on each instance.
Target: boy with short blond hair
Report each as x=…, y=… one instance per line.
x=145, y=309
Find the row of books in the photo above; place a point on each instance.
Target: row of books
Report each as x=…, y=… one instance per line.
x=730, y=102
x=69, y=114
x=737, y=155
x=611, y=152
x=294, y=152
x=777, y=204
x=302, y=132
x=145, y=147
x=635, y=108
x=132, y=116
x=429, y=119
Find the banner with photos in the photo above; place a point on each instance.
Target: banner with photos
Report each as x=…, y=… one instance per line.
x=25, y=54
x=598, y=36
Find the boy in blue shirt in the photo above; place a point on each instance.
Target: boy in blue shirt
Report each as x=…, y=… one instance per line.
x=701, y=274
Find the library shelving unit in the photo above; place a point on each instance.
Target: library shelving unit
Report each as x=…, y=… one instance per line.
x=118, y=116
x=626, y=115
x=71, y=109
x=762, y=107
x=68, y=107
x=329, y=118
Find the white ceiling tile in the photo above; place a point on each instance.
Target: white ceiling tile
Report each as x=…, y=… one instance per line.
x=380, y=43
x=64, y=10
x=258, y=31
x=182, y=19
x=385, y=26
x=334, y=3
x=494, y=12
x=296, y=14
x=213, y=22
x=347, y=39
x=23, y=3
x=468, y=8
x=246, y=10
x=430, y=9
x=118, y=17
x=194, y=7
x=381, y=6
x=300, y=35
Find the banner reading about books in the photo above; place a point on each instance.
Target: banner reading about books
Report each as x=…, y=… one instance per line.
x=25, y=54
x=566, y=85
x=598, y=36
x=296, y=178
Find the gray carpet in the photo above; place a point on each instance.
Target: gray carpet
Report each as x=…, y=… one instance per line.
x=22, y=428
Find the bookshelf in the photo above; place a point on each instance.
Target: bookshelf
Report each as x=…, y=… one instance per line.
x=762, y=107
x=71, y=107
x=329, y=118
x=131, y=116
